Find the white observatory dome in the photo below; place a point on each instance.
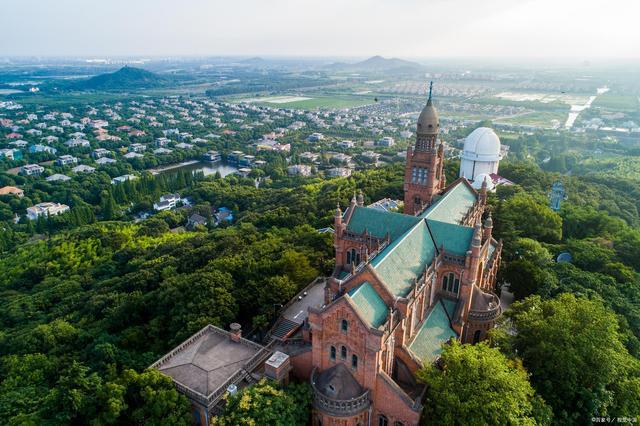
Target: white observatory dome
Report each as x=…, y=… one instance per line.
x=482, y=144
x=480, y=155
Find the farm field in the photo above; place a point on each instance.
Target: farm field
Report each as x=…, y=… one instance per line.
x=617, y=101
x=311, y=103
x=545, y=119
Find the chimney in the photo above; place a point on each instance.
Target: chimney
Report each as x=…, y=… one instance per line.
x=236, y=332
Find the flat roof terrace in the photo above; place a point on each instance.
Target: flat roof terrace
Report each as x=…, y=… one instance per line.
x=209, y=361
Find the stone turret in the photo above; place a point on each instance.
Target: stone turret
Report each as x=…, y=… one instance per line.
x=488, y=228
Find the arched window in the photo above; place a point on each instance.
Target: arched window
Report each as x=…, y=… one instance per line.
x=398, y=424
x=445, y=282
x=354, y=361
x=382, y=420
x=349, y=256
x=333, y=352
x=476, y=336
x=417, y=201
x=344, y=325
x=343, y=352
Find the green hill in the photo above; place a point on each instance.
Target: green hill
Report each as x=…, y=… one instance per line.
x=126, y=78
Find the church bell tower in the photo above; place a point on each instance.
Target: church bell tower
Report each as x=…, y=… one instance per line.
x=424, y=172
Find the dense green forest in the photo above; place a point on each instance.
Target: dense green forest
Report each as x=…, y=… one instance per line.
x=85, y=309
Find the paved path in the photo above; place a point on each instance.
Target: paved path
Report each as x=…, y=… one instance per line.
x=297, y=312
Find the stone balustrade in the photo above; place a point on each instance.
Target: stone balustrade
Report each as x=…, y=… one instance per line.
x=338, y=407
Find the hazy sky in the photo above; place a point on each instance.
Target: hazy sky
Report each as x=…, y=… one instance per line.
x=583, y=29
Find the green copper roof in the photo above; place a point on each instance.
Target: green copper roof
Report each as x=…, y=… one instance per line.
x=378, y=222
x=369, y=304
x=435, y=331
x=405, y=259
x=455, y=238
x=452, y=206
x=450, y=306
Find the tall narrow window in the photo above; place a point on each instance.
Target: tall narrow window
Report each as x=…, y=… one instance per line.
x=476, y=336
x=344, y=325
x=382, y=420
x=349, y=257
x=354, y=361
x=445, y=282
x=332, y=353
x=343, y=352
x=456, y=285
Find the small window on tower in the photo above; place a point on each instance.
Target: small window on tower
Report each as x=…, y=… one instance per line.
x=332, y=353
x=344, y=325
x=343, y=352
x=354, y=361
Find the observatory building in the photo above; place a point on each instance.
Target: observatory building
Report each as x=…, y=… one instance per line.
x=480, y=157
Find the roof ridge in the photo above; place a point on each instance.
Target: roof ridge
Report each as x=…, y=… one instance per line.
x=391, y=247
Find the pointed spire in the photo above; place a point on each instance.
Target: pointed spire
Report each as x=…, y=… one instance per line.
x=354, y=200
x=338, y=210
x=429, y=102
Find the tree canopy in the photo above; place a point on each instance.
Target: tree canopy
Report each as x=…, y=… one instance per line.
x=265, y=403
x=476, y=384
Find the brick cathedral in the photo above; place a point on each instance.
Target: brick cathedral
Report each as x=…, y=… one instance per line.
x=403, y=285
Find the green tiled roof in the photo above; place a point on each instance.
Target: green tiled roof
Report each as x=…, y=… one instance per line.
x=452, y=206
x=404, y=260
x=369, y=304
x=378, y=222
x=435, y=331
x=455, y=238
x=450, y=306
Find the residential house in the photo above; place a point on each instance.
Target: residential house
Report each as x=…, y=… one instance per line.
x=33, y=149
x=66, y=160
x=57, y=177
x=299, y=169
x=123, y=178
x=12, y=190
x=167, y=202
x=100, y=152
x=77, y=143
x=46, y=209
x=105, y=160
x=31, y=170
x=82, y=168
x=386, y=141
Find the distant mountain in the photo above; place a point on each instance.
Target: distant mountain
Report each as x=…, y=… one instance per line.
x=255, y=61
x=378, y=63
x=125, y=78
